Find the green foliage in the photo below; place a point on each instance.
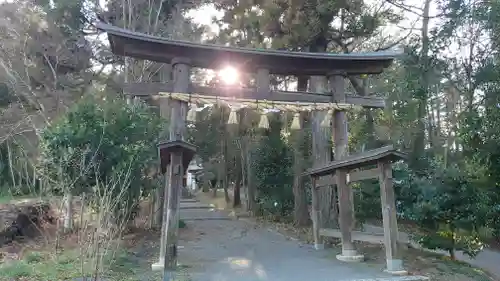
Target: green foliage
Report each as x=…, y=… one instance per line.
x=273, y=161
x=450, y=208
x=102, y=145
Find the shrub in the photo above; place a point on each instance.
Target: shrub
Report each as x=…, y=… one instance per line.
x=101, y=142
x=451, y=208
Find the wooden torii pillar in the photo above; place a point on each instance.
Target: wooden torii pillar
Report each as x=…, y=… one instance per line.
x=158, y=196
x=175, y=155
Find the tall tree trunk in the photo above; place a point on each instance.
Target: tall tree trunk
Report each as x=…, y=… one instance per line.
x=250, y=184
x=225, y=188
x=68, y=211
x=430, y=117
x=439, y=127
x=247, y=140
x=223, y=143
x=371, y=141
x=419, y=145
x=321, y=153
x=214, y=184
x=237, y=191
x=238, y=161
x=300, y=211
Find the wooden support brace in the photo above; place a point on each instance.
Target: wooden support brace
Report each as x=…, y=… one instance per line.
x=315, y=216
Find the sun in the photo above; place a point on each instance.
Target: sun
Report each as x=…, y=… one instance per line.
x=229, y=75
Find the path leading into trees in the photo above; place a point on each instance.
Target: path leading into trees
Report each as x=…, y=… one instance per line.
x=229, y=250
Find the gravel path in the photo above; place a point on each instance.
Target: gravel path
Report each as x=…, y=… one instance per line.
x=239, y=250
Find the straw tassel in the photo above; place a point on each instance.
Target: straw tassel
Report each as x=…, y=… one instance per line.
x=327, y=121
x=295, y=122
x=264, y=122
x=233, y=117
x=191, y=115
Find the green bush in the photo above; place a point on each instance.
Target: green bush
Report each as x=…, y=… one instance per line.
x=102, y=145
x=273, y=168
x=450, y=207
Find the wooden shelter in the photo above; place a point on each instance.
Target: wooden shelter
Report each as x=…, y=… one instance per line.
x=343, y=169
x=335, y=67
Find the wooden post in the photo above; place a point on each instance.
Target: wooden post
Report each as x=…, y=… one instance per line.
x=346, y=210
x=158, y=196
x=315, y=215
x=393, y=257
x=178, y=111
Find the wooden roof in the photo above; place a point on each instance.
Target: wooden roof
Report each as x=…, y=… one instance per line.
x=166, y=147
x=363, y=159
x=142, y=46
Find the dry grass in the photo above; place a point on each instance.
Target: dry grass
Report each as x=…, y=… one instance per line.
x=129, y=256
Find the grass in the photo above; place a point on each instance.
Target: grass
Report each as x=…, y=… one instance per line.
x=122, y=266
x=41, y=266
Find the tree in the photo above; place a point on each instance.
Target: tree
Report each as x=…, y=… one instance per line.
x=86, y=151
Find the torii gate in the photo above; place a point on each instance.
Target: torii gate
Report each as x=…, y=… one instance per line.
x=182, y=55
